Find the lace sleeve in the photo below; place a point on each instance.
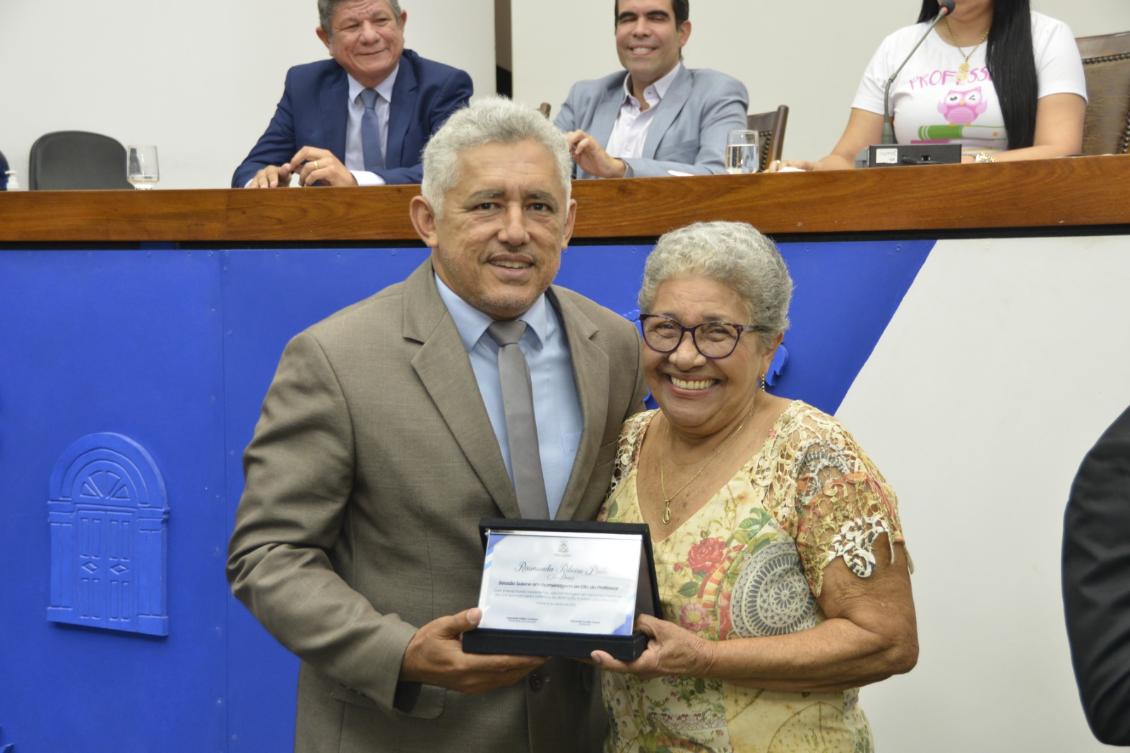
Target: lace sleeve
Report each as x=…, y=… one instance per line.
x=843, y=503
x=628, y=446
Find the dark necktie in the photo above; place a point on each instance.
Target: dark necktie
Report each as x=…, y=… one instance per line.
x=521, y=431
x=371, y=132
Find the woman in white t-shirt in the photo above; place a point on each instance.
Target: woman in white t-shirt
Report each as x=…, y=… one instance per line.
x=1004, y=82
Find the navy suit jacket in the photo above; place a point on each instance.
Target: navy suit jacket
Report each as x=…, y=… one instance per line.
x=314, y=111
x=1096, y=582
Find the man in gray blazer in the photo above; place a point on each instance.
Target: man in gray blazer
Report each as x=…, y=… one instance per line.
x=660, y=118
x=381, y=444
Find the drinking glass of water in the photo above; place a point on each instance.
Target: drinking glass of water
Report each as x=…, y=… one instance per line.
x=743, y=151
x=141, y=166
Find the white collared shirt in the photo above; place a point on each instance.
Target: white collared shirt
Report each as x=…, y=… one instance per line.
x=630, y=131
x=354, y=154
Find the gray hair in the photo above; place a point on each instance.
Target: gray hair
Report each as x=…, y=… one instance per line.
x=491, y=120
x=326, y=10
x=732, y=253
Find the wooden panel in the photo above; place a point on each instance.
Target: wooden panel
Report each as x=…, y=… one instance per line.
x=1065, y=193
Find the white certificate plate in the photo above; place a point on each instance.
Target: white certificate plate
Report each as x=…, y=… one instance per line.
x=563, y=588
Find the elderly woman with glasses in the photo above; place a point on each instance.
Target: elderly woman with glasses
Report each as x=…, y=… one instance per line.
x=779, y=553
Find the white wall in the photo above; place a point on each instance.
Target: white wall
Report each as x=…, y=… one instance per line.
x=808, y=54
x=1003, y=365
x=200, y=79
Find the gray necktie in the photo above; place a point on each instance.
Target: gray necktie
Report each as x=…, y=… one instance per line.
x=371, y=132
x=521, y=431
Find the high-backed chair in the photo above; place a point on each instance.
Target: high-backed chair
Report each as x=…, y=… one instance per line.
x=773, y=123
x=1106, y=63
x=3, y=173
x=76, y=159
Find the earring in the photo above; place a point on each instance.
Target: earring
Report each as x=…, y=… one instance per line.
x=762, y=382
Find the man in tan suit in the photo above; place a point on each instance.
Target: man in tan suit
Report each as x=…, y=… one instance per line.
x=378, y=450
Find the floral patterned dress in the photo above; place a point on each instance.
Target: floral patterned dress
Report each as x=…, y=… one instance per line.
x=748, y=564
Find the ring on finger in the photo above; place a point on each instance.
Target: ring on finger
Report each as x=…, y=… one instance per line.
x=316, y=164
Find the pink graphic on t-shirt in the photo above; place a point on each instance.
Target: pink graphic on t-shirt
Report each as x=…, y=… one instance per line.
x=961, y=107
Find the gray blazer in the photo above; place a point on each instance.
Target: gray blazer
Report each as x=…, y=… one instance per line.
x=690, y=127
x=372, y=462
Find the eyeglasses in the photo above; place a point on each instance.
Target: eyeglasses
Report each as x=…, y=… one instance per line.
x=712, y=339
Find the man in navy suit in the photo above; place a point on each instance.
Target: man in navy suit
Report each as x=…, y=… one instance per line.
x=330, y=129
x=660, y=117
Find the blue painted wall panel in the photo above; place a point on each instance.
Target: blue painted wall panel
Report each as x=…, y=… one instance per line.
x=844, y=296
x=125, y=342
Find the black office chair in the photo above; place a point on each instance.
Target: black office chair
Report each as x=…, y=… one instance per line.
x=3, y=173
x=76, y=159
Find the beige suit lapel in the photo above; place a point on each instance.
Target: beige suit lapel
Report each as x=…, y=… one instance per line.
x=445, y=371
x=590, y=370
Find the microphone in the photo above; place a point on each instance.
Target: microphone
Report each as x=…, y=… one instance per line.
x=888, y=117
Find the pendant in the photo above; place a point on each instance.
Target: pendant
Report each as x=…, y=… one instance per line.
x=963, y=72
x=666, y=511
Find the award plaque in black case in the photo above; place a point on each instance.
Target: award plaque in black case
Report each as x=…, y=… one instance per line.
x=564, y=583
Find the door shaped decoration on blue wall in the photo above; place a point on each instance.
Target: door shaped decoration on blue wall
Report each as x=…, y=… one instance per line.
x=108, y=515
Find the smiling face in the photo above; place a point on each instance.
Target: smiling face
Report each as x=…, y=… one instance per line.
x=366, y=39
x=701, y=396
x=647, y=40
x=498, y=242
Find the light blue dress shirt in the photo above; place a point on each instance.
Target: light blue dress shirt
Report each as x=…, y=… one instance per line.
x=354, y=154
x=557, y=409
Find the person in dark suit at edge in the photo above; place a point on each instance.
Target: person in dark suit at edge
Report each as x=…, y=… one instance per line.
x=384, y=439
x=1096, y=582
x=361, y=118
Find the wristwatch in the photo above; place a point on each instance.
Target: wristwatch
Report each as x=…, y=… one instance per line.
x=983, y=157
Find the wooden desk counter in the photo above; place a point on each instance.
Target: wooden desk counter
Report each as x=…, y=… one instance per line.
x=1087, y=194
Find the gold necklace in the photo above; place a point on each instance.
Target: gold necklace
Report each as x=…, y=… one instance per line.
x=963, y=69
x=706, y=464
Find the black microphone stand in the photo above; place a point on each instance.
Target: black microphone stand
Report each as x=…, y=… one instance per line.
x=888, y=117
